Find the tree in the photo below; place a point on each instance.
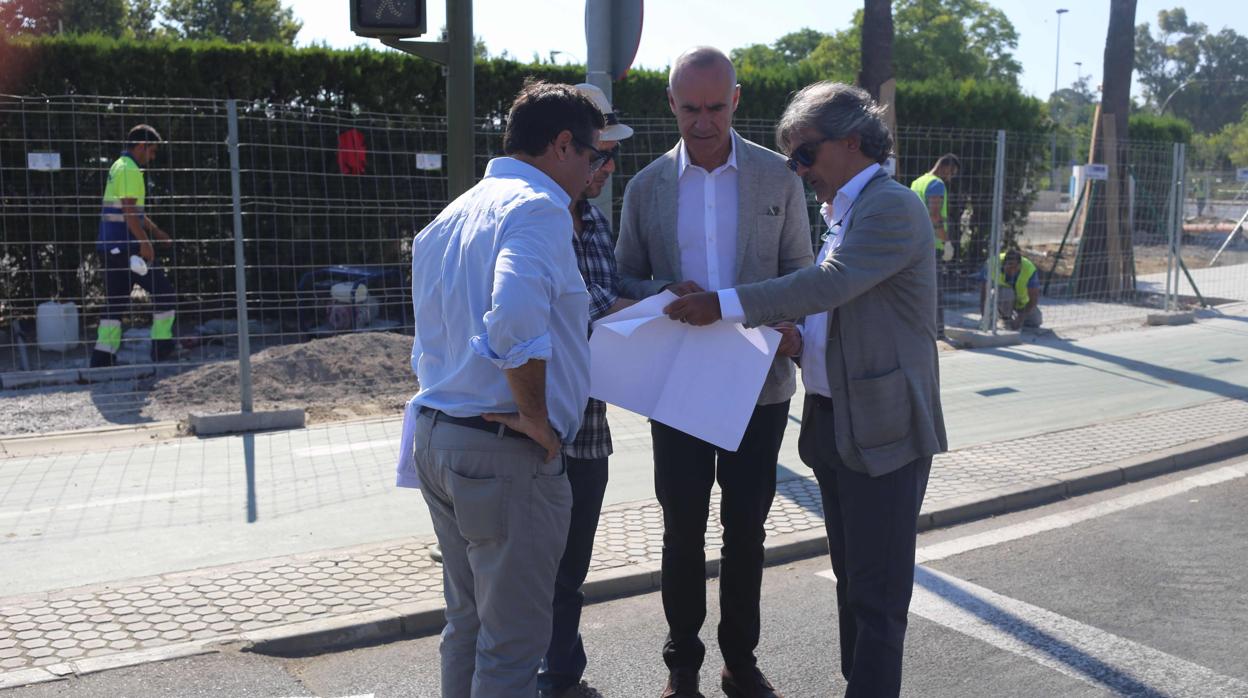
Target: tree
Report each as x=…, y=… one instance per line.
x=1104, y=267
x=932, y=39
x=1192, y=73
x=877, y=45
x=109, y=17
x=235, y=21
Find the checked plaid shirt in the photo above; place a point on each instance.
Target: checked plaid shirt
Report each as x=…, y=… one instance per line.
x=595, y=255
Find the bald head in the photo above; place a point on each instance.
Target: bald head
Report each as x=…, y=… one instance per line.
x=702, y=92
x=702, y=58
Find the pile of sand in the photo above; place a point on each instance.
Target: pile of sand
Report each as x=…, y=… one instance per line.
x=349, y=375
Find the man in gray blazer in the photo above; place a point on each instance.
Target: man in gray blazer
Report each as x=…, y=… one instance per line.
x=872, y=419
x=715, y=211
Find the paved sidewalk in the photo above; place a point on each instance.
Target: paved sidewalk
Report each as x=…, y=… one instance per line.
x=384, y=590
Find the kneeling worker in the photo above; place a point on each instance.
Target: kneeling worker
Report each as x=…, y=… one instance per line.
x=1018, y=291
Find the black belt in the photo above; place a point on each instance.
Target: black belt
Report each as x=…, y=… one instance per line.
x=479, y=423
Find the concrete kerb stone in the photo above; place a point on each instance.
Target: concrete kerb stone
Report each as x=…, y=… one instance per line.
x=85, y=440
x=240, y=422
x=977, y=339
x=1180, y=318
x=91, y=665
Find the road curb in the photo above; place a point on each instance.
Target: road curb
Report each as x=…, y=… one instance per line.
x=423, y=618
x=645, y=577
x=86, y=440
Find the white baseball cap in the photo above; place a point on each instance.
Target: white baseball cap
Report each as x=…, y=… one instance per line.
x=614, y=131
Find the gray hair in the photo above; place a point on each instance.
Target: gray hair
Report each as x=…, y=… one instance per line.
x=701, y=57
x=836, y=110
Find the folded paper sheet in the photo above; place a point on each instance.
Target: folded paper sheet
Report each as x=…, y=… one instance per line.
x=703, y=381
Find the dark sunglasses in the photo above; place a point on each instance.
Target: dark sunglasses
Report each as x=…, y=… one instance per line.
x=601, y=157
x=805, y=154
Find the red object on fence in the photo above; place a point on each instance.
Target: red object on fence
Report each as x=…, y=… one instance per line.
x=352, y=155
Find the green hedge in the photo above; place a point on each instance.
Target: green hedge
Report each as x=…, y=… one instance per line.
x=392, y=82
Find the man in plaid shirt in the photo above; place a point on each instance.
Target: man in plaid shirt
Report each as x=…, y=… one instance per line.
x=561, y=671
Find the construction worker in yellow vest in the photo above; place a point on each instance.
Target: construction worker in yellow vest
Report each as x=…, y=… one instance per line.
x=933, y=191
x=1018, y=291
x=127, y=257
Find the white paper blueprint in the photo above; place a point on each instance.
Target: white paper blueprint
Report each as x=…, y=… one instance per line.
x=704, y=381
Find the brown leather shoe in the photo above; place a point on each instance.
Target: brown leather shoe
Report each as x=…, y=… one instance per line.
x=682, y=683
x=747, y=684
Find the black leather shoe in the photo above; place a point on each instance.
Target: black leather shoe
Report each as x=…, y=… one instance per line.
x=163, y=349
x=747, y=683
x=682, y=683
x=102, y=359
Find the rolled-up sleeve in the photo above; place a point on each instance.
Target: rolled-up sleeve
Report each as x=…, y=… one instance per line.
x=517, y=326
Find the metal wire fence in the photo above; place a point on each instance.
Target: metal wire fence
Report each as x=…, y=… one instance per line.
x=291, y=231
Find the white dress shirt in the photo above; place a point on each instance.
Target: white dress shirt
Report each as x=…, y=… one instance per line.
x=815, y=327
x=706, y=221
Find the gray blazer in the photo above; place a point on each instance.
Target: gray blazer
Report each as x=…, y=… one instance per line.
x=773, y=233
x=882, y=358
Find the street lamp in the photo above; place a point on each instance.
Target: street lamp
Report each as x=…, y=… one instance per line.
x=1057, y=61
x=1078, y=71
x=1056, y=67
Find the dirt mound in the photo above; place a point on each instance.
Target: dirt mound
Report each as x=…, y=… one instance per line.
x=350, y=375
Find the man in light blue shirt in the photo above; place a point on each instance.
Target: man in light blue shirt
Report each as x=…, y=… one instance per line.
x=503, y=362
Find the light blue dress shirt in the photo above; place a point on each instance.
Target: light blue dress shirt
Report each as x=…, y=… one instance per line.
x=494, y=285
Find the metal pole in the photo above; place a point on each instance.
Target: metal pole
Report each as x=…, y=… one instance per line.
x=598, y=39
x=240, y=263
x=1180, y=200
x=460, y=107
x=1057, y=65
x=1171, y=231
x=994, y=251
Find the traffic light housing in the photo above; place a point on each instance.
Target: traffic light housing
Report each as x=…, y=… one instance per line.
x=388, y=18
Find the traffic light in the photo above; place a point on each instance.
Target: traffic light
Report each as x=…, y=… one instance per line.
x=388, y=18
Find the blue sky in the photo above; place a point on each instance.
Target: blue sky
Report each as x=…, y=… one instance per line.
x=521, y=28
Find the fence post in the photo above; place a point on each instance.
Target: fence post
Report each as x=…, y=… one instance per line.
x=994, y=245
x=240, y=263
x=1171, y=228
x=1180, y=193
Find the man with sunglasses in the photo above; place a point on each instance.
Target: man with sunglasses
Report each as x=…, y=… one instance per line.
x=564, y=665
x=872, y=419
x=502, y=357
x=713, y=212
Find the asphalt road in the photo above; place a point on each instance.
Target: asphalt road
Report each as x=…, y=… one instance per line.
x=1133, y=591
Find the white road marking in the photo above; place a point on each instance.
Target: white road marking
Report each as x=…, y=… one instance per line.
x=1055, y=641
x=1065, y=645
x=314, y=451
x=96, y=503
x=957, y=546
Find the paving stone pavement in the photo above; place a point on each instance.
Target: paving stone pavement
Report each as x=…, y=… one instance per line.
x=56, y=629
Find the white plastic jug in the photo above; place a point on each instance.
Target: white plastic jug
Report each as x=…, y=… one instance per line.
x=56, y=326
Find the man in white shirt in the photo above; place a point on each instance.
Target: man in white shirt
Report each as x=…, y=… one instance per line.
x=715, y=211
x=502, y=356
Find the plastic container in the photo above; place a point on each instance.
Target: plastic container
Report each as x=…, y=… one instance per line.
x=56, y=326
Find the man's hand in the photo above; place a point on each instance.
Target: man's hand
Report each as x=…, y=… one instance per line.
x=537, y=429
x=161, y=236
x=790, y=339
x=683, y=288
x=146, y=251
x=700, y=308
